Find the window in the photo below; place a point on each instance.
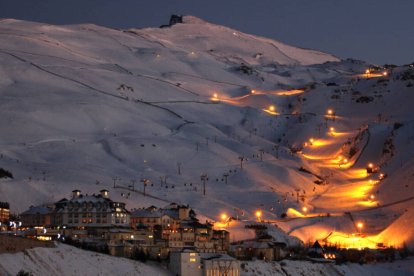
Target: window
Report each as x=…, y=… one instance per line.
x=193, y=260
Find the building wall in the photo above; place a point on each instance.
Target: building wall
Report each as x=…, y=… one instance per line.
x=35, y=220
x=93, y=214
x=148, y=221
x=4, y=214
x=219, y=267
x=185, y=264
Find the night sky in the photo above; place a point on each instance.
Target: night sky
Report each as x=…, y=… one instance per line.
x=378, y=31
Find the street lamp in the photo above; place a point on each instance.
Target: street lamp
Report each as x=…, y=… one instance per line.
x=370, y=168
x=272, y=108
x=223, y=217
x=305, y=210
x=360, y=225
x=330, y=114
x=253, y=91
x=311, y=140
x=258, y=215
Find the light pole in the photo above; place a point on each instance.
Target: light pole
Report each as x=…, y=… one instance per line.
x=360, y=225
x=133, y=184
x=225, y=175
x=305, y=210
x=179, y=167
x=204, y=177
x=242, y=159
x=145, y=182
x=114, y=179
x=261, y=151
x=258, y=214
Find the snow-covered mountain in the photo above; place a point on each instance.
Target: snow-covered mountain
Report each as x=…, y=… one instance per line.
x=84, y=106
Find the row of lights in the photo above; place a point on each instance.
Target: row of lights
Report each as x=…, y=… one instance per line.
x=226, y=218
x=369, y=71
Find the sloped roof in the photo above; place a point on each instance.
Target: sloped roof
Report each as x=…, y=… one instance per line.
x=33, y=210
x=145, y=213
x=212, y=256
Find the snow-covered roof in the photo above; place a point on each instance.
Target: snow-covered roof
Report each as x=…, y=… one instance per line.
x=33, y=210
x=216, y=256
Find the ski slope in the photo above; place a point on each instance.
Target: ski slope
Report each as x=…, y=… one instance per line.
x=86, y=107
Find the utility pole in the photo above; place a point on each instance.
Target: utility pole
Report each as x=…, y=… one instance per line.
x=242, y=158
x=145, y=182
x=204, y=177
x=133, y=184
x=261, y=151
x=225, y=175
x=179, y=167
x=114, y=179
x=276, y=147
x=297, y=194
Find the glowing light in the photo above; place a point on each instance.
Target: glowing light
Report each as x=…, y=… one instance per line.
x=311, y=140
x=370, y=165
x=223, y=217
x=253, y=91
x=215, y=97
x=305, y=209
x=372, y=197
x=289, y=92
x=385, y=73
x=332, y=129
x=345, y=161
x=360, y=225
x=367, y=71
x=329, y=111
x=271, y=110
x=258, y=215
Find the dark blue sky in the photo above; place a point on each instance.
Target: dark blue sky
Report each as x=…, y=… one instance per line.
x=379, y=31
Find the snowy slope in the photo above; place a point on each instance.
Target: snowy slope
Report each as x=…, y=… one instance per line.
x=84, y=104
x=307, y=268
x=69, y=260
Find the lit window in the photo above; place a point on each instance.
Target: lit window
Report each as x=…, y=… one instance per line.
x=192, y=254
x=193, y=260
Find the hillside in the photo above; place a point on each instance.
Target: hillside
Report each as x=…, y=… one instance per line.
x=68, y=260
x=85, y=106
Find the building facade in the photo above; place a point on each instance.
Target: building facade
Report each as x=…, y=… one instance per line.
x=91, y=211
x=37, y=216
x=4, y=212
x=188, y=262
